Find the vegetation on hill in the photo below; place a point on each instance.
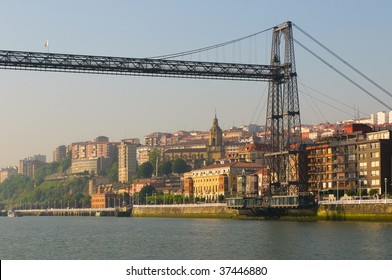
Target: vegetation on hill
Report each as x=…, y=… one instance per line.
x=24, y=192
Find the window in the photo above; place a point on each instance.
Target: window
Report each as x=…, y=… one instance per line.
x=375, y=155
x=362, y=156
x=363, y=165
x=375, y=163
x=362, y=173
x=362, y=147
x=375, y=173
x=375, y=182
x=375, y=145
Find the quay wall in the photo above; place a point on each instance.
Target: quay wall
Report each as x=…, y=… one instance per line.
x=192, y=210
x=347, y=212
x=331, y=212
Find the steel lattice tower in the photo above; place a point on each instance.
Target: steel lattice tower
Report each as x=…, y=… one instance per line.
x=283, y=124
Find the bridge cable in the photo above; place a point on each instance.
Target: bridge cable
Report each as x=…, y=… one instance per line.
x=343, y=61
x=343, y=75
x=174, y=55
x=326, y=103
x=257, y=107
x=325, y=95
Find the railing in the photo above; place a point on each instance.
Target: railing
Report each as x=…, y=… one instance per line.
x=356, y=201
x=59, y=210
x=201, y=204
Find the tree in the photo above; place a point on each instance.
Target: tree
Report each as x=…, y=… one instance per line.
x=153, y=155
x=112, y=173
x=166, y=168
x=146, y=170
x=65, y=164
x=179, y=166
x=146, y=191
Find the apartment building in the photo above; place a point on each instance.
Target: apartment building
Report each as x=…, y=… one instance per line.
x=29, y=165
x=59, y=153
x=127, y=164
x=99, y=147
x=348, y=162
x=375, y=161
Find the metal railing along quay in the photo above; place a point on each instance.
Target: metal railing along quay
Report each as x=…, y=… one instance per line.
x=195, y=205
x=65, y=211
x=356, y=201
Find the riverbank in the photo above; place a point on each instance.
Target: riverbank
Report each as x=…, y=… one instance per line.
x=213, y=210
x=355, y=212
x=323, y=212
x=331, y=212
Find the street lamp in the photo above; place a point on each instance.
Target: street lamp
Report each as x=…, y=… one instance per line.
x=155, y=196
x=360, y=190
x=385, y=194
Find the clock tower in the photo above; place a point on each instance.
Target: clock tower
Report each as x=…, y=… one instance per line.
x=215, y=147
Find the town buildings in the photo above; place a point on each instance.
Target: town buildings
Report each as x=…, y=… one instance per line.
x=219, y=180
x=345, y=163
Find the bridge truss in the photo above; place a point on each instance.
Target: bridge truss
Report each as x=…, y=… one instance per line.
x=283, y=126
x=52, y=62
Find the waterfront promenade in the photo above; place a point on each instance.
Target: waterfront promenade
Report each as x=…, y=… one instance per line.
x=67, y=211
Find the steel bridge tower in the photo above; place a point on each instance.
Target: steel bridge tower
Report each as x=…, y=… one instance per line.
x=284, y=157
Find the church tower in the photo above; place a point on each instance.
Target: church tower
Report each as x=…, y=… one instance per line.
x=215, y=148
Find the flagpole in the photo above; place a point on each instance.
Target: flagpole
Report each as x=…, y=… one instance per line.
x=47, y=44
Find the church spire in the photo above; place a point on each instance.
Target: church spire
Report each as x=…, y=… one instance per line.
x=215, y=133
x=215, y=122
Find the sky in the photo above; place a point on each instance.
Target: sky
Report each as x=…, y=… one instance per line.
x=40, y=110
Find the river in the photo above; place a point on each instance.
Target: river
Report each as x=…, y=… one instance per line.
x=96, y=238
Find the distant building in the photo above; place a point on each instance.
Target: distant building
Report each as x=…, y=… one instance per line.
x=59, y=153
x=382, y=117
x=100, y=147
x=7, y=172
x=253, y=152
x=29, y=165
x=127, y=164
x=142, y=154
x=93, y=165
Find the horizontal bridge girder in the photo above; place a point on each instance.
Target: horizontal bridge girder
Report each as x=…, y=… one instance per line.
x=38, y=61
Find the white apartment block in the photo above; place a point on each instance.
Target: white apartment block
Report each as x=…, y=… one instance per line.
x=382, y=117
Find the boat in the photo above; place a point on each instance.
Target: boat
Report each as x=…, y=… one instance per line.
x=11, y=213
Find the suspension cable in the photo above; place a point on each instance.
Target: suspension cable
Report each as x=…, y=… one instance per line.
x=343, y=61
x=174, y=55
x=329, y=97
x=343, y=75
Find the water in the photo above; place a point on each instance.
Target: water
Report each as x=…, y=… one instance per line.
x=160, y=238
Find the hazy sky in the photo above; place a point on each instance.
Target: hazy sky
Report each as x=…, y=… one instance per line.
x=40, y=111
